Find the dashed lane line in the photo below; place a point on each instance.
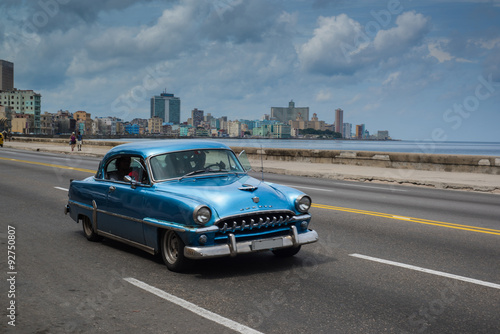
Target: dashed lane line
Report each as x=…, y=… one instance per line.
x=193, y=307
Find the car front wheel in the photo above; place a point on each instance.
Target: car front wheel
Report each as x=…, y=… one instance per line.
x=172, y=251
x=286, y=252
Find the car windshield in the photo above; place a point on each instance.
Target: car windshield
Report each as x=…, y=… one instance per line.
x=187, y=163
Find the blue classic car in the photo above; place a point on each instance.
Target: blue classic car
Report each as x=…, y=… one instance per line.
x=187, y=199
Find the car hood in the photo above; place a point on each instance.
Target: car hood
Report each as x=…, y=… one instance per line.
x=229, y=195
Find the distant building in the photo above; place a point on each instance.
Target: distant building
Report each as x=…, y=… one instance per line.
x=339, y=121
x=314, y=123
x=24, y=102
x=347, y=130
x=48, y=124
x=106, y=126
x=196, y=117
x=132, y=129
x=5, y=118
x=360, y=131
x=264, y=131
x=280, y=131
x=291, y=113
x=64, y=122
x=234, y=129
x=383, y=135
x=155, y=125
x=6, y=75
x=83, y=122
x=22, y=123
x=167, y=107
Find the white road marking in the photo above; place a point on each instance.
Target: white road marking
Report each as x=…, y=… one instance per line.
x=63, y=189
x=193, y=308
x=294, y=186
x=373, y=187
x=429, y=271
x=344, y=184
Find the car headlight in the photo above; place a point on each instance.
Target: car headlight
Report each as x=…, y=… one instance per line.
x=303, y=203
x=202, y=215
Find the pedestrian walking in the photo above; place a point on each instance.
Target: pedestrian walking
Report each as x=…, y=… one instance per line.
x=79, y=140
x=72, y=141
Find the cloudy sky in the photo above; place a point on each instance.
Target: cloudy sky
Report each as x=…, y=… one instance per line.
x=424, y=70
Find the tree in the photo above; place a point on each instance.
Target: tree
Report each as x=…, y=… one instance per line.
x=326, y=133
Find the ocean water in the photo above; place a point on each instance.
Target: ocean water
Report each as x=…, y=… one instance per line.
x=407, y=146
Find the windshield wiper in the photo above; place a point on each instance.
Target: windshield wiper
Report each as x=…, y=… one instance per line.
x=199, y=171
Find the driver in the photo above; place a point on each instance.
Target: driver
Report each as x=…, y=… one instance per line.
x=198, y=158
x=122, y=169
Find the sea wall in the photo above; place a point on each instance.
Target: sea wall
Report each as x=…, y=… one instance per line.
x=418, y=161
x=66, y=141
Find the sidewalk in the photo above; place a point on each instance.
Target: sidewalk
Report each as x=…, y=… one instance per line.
x=439, y=180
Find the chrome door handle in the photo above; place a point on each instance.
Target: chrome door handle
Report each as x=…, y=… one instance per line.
x=111, y=189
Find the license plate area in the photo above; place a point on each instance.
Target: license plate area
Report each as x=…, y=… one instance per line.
x=267, y=244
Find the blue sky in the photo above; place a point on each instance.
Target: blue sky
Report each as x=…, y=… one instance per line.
x=424, y=70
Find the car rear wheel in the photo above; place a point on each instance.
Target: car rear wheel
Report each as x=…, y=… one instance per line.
x=172, y=251
x=88, y=230
x=286, y=252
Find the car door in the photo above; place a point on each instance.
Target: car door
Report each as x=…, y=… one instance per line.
x=125, y=201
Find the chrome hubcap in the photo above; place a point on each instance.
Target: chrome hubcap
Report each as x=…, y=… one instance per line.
x=172, y=245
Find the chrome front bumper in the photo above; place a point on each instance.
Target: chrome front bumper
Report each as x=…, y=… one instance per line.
x=232, y=248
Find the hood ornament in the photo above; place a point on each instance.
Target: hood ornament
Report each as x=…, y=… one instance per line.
x=248, y=187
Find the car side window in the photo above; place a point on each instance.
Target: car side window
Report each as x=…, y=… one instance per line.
x=122, y=166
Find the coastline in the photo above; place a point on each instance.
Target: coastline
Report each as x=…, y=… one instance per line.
x=392, y=145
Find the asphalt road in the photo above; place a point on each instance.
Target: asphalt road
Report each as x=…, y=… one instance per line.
x=390, y=260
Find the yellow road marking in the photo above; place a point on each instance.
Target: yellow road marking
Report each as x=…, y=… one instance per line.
x=50, y=165
x=410, y=219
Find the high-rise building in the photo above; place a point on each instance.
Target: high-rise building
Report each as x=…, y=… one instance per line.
x=197, y=117
x=167, y=107
x=347, y=130
x=291, y=113
x=6, y=75
x=339, y=121
x=360, y=131
x=24, y=102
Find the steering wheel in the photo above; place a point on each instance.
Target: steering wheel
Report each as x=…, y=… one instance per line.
x=221, y=166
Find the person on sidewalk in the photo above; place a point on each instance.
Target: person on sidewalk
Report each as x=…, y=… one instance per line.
x=72, y=141
x=79, y=140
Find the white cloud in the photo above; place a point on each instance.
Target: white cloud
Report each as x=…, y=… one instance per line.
x=329, y=49
x=339, y=45
x=392, y=78
x=324, y=95
x=409, y=31
x=436, y=52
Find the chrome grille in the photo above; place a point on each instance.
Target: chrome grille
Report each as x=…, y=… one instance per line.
x=255, y=221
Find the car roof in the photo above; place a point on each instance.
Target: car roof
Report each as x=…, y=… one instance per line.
x=148, y=148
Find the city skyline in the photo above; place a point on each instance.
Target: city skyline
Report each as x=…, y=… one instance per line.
x=426, y=70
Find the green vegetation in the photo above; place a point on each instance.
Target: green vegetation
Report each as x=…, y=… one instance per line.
x=321, y=134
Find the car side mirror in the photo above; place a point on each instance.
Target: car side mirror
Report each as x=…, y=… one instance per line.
x=130, y=180
x=243, y=157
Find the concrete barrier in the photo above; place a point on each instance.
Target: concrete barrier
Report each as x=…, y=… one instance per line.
x=66, y=141
x=418, y=161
